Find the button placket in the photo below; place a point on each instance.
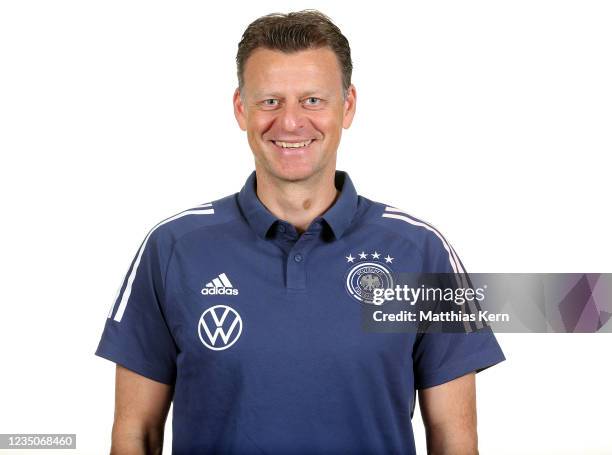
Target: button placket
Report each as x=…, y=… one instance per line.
x=296, y=262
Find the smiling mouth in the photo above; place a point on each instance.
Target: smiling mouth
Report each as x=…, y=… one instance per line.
x=293, y=145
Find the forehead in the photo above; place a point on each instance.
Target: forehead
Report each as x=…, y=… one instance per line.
x=269, y=70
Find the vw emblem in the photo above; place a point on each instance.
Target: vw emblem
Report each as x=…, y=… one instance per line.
x=364, y=278
x=219, y=327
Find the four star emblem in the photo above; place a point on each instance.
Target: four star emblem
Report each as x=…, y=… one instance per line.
x=363, y=255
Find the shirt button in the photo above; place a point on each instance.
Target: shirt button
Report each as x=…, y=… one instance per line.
x=298, y=257
x=281, y=228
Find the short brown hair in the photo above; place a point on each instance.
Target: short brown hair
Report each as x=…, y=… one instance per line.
x=294, y=32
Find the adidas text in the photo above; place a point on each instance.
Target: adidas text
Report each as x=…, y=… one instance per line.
x=219, y=291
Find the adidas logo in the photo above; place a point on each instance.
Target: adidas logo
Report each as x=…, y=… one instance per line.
x=219, y=286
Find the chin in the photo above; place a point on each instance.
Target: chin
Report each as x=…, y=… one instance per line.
x=294, y=172
x=291, y=168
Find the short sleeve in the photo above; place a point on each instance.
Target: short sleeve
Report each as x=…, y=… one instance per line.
x=442, y=357
x=136, y=334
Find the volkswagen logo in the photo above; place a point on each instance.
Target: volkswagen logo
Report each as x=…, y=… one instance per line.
x=219, y=327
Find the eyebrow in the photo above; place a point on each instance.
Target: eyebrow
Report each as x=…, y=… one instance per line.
x=265, y=95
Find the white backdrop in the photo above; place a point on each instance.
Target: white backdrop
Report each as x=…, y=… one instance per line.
x=489, y=119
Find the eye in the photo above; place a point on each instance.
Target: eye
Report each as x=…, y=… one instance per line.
x=313, y=101
x=270, y=102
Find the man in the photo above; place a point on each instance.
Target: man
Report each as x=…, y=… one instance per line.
x=246, y=312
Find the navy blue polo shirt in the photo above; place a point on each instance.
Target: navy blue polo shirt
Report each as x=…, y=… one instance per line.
x=260, y=332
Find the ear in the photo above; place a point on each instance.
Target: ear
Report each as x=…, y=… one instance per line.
x=239, y=110
x=350, y=104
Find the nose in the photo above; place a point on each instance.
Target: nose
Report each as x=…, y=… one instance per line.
x=292, y=117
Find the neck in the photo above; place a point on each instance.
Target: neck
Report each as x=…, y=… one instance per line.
x=297, y=202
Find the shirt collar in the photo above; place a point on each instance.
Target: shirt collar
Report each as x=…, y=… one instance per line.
x=339, y=216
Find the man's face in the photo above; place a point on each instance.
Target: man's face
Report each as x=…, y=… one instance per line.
x=293, y=110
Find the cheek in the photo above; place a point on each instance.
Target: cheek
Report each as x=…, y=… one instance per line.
x=329, y=125
x=260, y=125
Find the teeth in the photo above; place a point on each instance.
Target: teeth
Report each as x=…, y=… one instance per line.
x=293, y=144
